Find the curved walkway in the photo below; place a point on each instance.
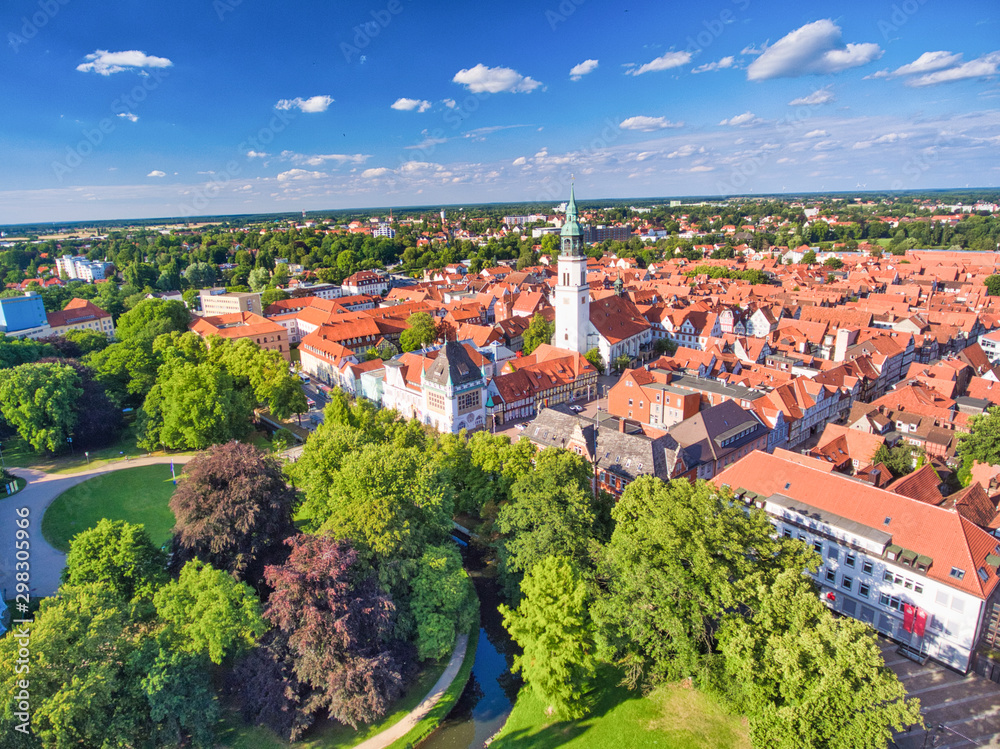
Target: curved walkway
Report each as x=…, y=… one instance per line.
x=47, y=562
x=404, y=726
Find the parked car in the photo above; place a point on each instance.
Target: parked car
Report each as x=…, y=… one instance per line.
x=523, y=425
x=311, y=402
x=576, y=409
x=304, y=377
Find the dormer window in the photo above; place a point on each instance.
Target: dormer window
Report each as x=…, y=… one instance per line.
x=957, y=573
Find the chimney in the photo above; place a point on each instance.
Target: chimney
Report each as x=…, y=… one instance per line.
x=621, y=425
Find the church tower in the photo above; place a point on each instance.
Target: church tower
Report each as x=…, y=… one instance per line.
x=572, y=292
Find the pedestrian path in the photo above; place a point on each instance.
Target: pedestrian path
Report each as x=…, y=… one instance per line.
x=403, y=727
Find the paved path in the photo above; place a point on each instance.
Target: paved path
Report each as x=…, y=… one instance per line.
x=960, y=712
x=403, y=727
x=47, y=562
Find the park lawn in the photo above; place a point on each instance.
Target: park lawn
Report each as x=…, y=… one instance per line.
x=18, y=454
x=672, y=716
x=136, y=495
x=328, y=734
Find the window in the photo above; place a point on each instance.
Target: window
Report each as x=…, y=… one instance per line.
x=849, y=559
x=918, y=588
x=831, y=576
x=863, y=589
x=867, y=567
x=883, y=598
x=957, y=573
x=887, y=576
x=818, y=547
x=786, y=533
x=469, y=400
x=847, y=582
x=832, y=553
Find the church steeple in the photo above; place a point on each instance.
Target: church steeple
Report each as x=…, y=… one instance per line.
x=571, y=234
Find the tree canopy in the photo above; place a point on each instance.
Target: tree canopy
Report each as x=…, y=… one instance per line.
x=539, y=331
x=233, y=510
x=40, y=401
x=421, y=333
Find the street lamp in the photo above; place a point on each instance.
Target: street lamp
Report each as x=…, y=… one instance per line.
x=87, y=454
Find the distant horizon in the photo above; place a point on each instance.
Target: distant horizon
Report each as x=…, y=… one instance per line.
x=435, y=207
x=191, y=109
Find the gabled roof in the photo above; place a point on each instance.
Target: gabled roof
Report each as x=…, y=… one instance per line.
x=453, y=366
x=921, y=485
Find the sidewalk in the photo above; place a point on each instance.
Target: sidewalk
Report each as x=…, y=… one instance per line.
x=47, y=562
x=403, y=727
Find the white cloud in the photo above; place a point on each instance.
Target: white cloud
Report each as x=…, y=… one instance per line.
x=429, y=141
x=408, y=105
x=299, y=175
x=311, y=105
x=752, y=50
x=882, y=139
x=257, y=155
x=816, y=134
x=928, y=62
x=701, y=168
x=419, y=166
x=156, y=173
x=686, y=150
x=519, y=161
x=817, y=97
x=663, y=62
x=319, y=159
x=723, y=64
x=746, y=119
x=578, y=71
x=648, y=124
x=981, y=67
x=129, y=116
x=482, y=79
x=450, y=103
x=379, y=171
x=103, y=62
x=816, y=48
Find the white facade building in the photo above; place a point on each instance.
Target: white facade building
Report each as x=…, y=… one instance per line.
x=572, y=296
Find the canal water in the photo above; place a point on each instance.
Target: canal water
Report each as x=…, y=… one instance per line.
x=486, y=702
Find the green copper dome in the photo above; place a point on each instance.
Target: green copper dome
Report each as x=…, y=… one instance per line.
x=572, y=227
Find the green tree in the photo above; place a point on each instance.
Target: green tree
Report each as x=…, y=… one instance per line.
x=993, y=285
x=441, y=601
x=595, y=358
x=539, y=331
x=181, y=698
x=809, y=257
x=681, y=555
x=553, y=627
x=259, y=278
x=622, y=362
x=982, y=443
x=86, y=694
x=87, y=340
x=807, y=679
x=664, y=346
x=118, y=555
x=833, y=263
x=389, y=502
x=200, y=275
x=194, y=407
x=551, y=511
x=421, y=333
x=40, y=402
x=898, y=459
x=270, y=296
x=126, y=370
x=207, y=612
x=150, y=318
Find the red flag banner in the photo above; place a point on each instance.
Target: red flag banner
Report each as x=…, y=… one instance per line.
x=831, y=596
x=908, y=613
x=920, y=622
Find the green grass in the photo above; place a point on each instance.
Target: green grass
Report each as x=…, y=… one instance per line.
x=18, y=454
x=137, y=495
x=673, y=716
x=328, y=734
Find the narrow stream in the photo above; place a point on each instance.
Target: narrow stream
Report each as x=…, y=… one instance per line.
x=486, y=702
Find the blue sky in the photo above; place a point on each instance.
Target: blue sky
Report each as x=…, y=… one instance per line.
x=128, y=109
